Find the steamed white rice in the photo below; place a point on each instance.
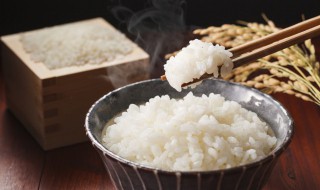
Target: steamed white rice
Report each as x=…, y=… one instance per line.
x=75, y=45
x=195, y=60
x=193, y=133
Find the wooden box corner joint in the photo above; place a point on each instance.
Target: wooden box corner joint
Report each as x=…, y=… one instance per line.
x=52, y=104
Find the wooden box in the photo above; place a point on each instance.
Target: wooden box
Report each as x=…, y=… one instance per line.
x=52, y=104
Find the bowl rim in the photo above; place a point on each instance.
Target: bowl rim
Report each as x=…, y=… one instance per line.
x=271, y=156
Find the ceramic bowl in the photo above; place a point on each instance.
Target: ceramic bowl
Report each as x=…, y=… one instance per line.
x=130, y=175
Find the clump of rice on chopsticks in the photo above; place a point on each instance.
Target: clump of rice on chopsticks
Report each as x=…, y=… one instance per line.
x=195, y=60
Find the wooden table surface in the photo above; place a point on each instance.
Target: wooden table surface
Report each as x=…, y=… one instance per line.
x=24, y=165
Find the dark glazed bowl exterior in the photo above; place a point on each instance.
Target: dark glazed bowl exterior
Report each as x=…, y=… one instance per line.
x=129, y=175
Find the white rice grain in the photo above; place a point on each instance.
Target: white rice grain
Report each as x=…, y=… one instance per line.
x=75, y=45
x=193, y=133
x=195, y=60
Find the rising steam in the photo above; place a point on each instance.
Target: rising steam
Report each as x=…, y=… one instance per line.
x=158, y=28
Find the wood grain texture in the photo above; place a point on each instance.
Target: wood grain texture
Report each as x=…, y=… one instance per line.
x=76, y=167
x=24, y=165
x=13, y=42
x=52, y=104
x=298, y=167
x=21, y=158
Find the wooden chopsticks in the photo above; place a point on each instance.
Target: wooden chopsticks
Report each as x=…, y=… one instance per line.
x=294, y=29
x=276, y=41
x=269, y=44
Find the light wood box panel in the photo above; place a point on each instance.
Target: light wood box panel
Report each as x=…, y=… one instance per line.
x=52, y=104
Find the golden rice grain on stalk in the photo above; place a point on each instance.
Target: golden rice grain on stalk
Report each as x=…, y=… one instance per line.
x=250, y=83
x=255, y=37
x=299, y=63
x=285, y=74
x=293, y=57
x=312, y=58
x=304, y=88
x=207, y=39
x=231, y=32
x=291, y=92
x=239, y=31
x=281, y=70
x=254, y=26
x=293, y=78
x=283, y=62
x=247, y=36
x=298, y=95
x=299, y=86
x=226, y=26
x=273, y=82
x=228, y=44
x=240, y=78
x=266, y=82
x=310, y=78
x=217, y=35
x=285, y=86
x=312, y=50
x=287, y=51
x=259, y=85
x=260, y=78
x=274, y=71
x=306, y=98
x=278, y=89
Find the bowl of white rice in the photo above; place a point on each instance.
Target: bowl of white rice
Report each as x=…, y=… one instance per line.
x=219, y=135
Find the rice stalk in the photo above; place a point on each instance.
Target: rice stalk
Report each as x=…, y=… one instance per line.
x=293, y=71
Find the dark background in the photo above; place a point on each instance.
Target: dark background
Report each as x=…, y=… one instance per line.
x=158, y=26
x=19, y=15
